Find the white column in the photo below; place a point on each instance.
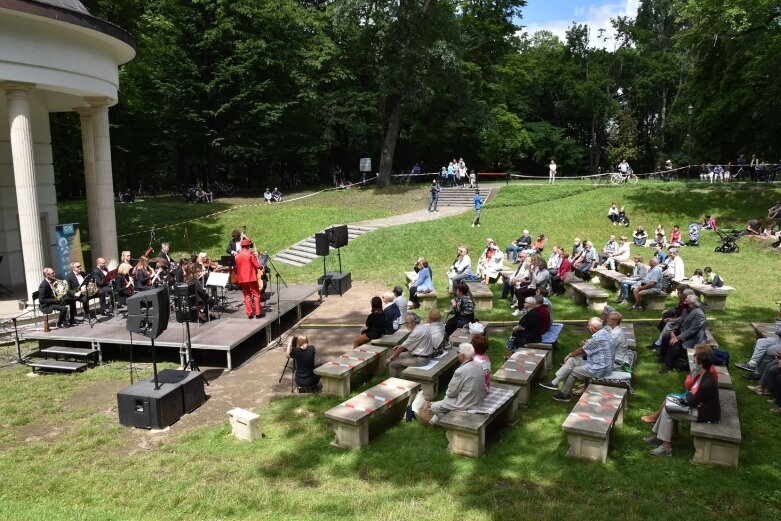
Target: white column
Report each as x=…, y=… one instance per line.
x=104, y=183
x=91, y=184
x=20, y=122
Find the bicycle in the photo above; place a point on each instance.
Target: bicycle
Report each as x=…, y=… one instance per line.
x=618, y=177
x=600, y=179
x=223, y=188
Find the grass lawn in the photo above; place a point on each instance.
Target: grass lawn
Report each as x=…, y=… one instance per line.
x=94, y=469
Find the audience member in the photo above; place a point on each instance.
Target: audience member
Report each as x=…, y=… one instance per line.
x=621, y=254
x=638, y=273
x=690, y=331
x=391, y=314
x=491, y=263
x=460, y=269
x=463, y=309
x=520, y=244
x=480, y=344
x=529, y=327
x=640, y=236
x=465, y=391
x=423, y=284
x=649, y=285
x=375, y=324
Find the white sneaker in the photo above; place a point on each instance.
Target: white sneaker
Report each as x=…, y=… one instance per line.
x=517, y=313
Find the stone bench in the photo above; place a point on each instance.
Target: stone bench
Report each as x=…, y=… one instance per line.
x=626, y=267
x=655, y=302
x=465, y=430
x=714, y=298
x=520, y=370
x=764, y=329
x=350, y=419
x=585, y=293
x=588, y=425
x=436, y=370
x=548, y=343
x=725, y=380
x=718, y=444
x=426, y=300
x=337, y=374
x=609, y=279
x=460, y=336
x=392, y=340
x=481, y=295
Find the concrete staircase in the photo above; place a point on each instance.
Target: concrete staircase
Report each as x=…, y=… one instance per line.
x=460, y=196
x=303, y=252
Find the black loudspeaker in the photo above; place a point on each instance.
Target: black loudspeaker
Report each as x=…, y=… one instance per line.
x=338, y=283
x=322, y=246
x=141, y=405
x=148, y=312
x=191, y=384
x=339, y=236
x=186, y=305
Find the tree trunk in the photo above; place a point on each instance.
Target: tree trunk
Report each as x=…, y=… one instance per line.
x=389, y=143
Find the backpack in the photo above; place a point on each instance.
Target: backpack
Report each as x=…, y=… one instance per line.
x=721, y=357
x=666, y=283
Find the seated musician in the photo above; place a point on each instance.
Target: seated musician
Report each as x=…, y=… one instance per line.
x=104, y=286
x=143, y=274
x=179, y=272
x=47, y=300
x=203, y=300
x=124, y=284
x=77, y=290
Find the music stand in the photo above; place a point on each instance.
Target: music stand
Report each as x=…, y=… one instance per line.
x=219, y=279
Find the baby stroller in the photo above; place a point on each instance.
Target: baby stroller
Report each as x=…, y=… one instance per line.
x=694, y=234
x=728, y=241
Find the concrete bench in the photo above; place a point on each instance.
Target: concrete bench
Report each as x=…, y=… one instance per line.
x=585, y=293
x=426, y=300
x=725, y=380
x=392, y=340
x=465, y=430
x=764, y=329
x=520, y=370
x=629, y=332
x=548, y=343
x=350, y=419
x=626, y=267
x=481, y=295
x=610, y=279
x=655, y=302
x=460, y=336
x=337, y=374
x=715, y=298
x=430, y=375
x=78, y=353
x=588, y=425
x=710, y=339
x=718, y=444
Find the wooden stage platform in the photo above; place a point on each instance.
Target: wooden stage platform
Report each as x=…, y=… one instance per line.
x=232, y=329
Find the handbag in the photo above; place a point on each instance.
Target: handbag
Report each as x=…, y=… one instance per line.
x=674, y=403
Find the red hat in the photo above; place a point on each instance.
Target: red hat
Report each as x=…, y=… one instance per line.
x=245, y=242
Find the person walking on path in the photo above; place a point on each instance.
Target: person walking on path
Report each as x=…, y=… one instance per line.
x=552, y=172
x=434, y=197
x=478, y=206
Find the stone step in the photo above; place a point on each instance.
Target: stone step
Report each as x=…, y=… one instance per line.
x=305, y=251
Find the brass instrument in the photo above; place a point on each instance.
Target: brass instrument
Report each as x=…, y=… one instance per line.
x=92, y=289
x=60, y=288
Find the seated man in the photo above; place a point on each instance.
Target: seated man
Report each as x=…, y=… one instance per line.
x=597, y=363
x=608, y=250
x=620, y=344
x=620, y=255
x=520, y=244
x=276, y=195
x=672, y=317
x=392, y=314
x=531, y=326
x=640, y=236
x=588, y=261
x=649, y=285
x=765, y=351
x=200, y=195
x=754, y=227
x=691, y=331
x=539, y=278
x=466, y=389
x=48, y=301
x=267, y=196
x=417, y=349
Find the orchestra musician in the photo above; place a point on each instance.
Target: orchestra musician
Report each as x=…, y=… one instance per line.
x=124, y=283
x=247, y=267
x=192, y=275
x=143, y=274
x=104, y=287
x=234, y=245
x=76, y=290
x=125, y=257
x=181, y=270
x=164, y=248
x=47, y=301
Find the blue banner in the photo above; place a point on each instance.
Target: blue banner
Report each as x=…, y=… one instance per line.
x=68, y=247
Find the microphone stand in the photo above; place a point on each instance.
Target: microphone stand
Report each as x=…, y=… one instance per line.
x=278, y=277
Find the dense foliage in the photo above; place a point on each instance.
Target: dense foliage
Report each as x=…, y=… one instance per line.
x=260, y=90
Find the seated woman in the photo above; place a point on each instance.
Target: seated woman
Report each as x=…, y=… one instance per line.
x=697, y=278
x=124, y=284
x=660, y=238
x=267, y=196
x=491, y=263
x=143, y=275
x=391, y=313
x=375, y=324
x=540, y=278
x=200, y=195
x=529, y=328
x=640, y=236
x=709, y=223
x=423, y=284
x=303, y=355
x=480, y=344
x=538, y=245
x=702, y=398
x=675, y=237
x=463, y=309
x=461, y=269
x=209, y=194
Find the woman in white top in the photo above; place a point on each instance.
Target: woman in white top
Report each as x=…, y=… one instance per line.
x=461, y=269
x=659, y=236
x=462, y=172
x=552, y=172
x=491, y=262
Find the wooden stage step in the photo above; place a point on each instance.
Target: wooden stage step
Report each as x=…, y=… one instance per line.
x=65, y=351
x=57, y=365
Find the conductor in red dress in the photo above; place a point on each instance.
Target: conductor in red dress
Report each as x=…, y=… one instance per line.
x=247, y=267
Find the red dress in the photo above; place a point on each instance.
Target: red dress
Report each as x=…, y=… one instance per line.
x=247, y=267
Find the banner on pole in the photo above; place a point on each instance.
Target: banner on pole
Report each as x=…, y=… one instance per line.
x=68, y=246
